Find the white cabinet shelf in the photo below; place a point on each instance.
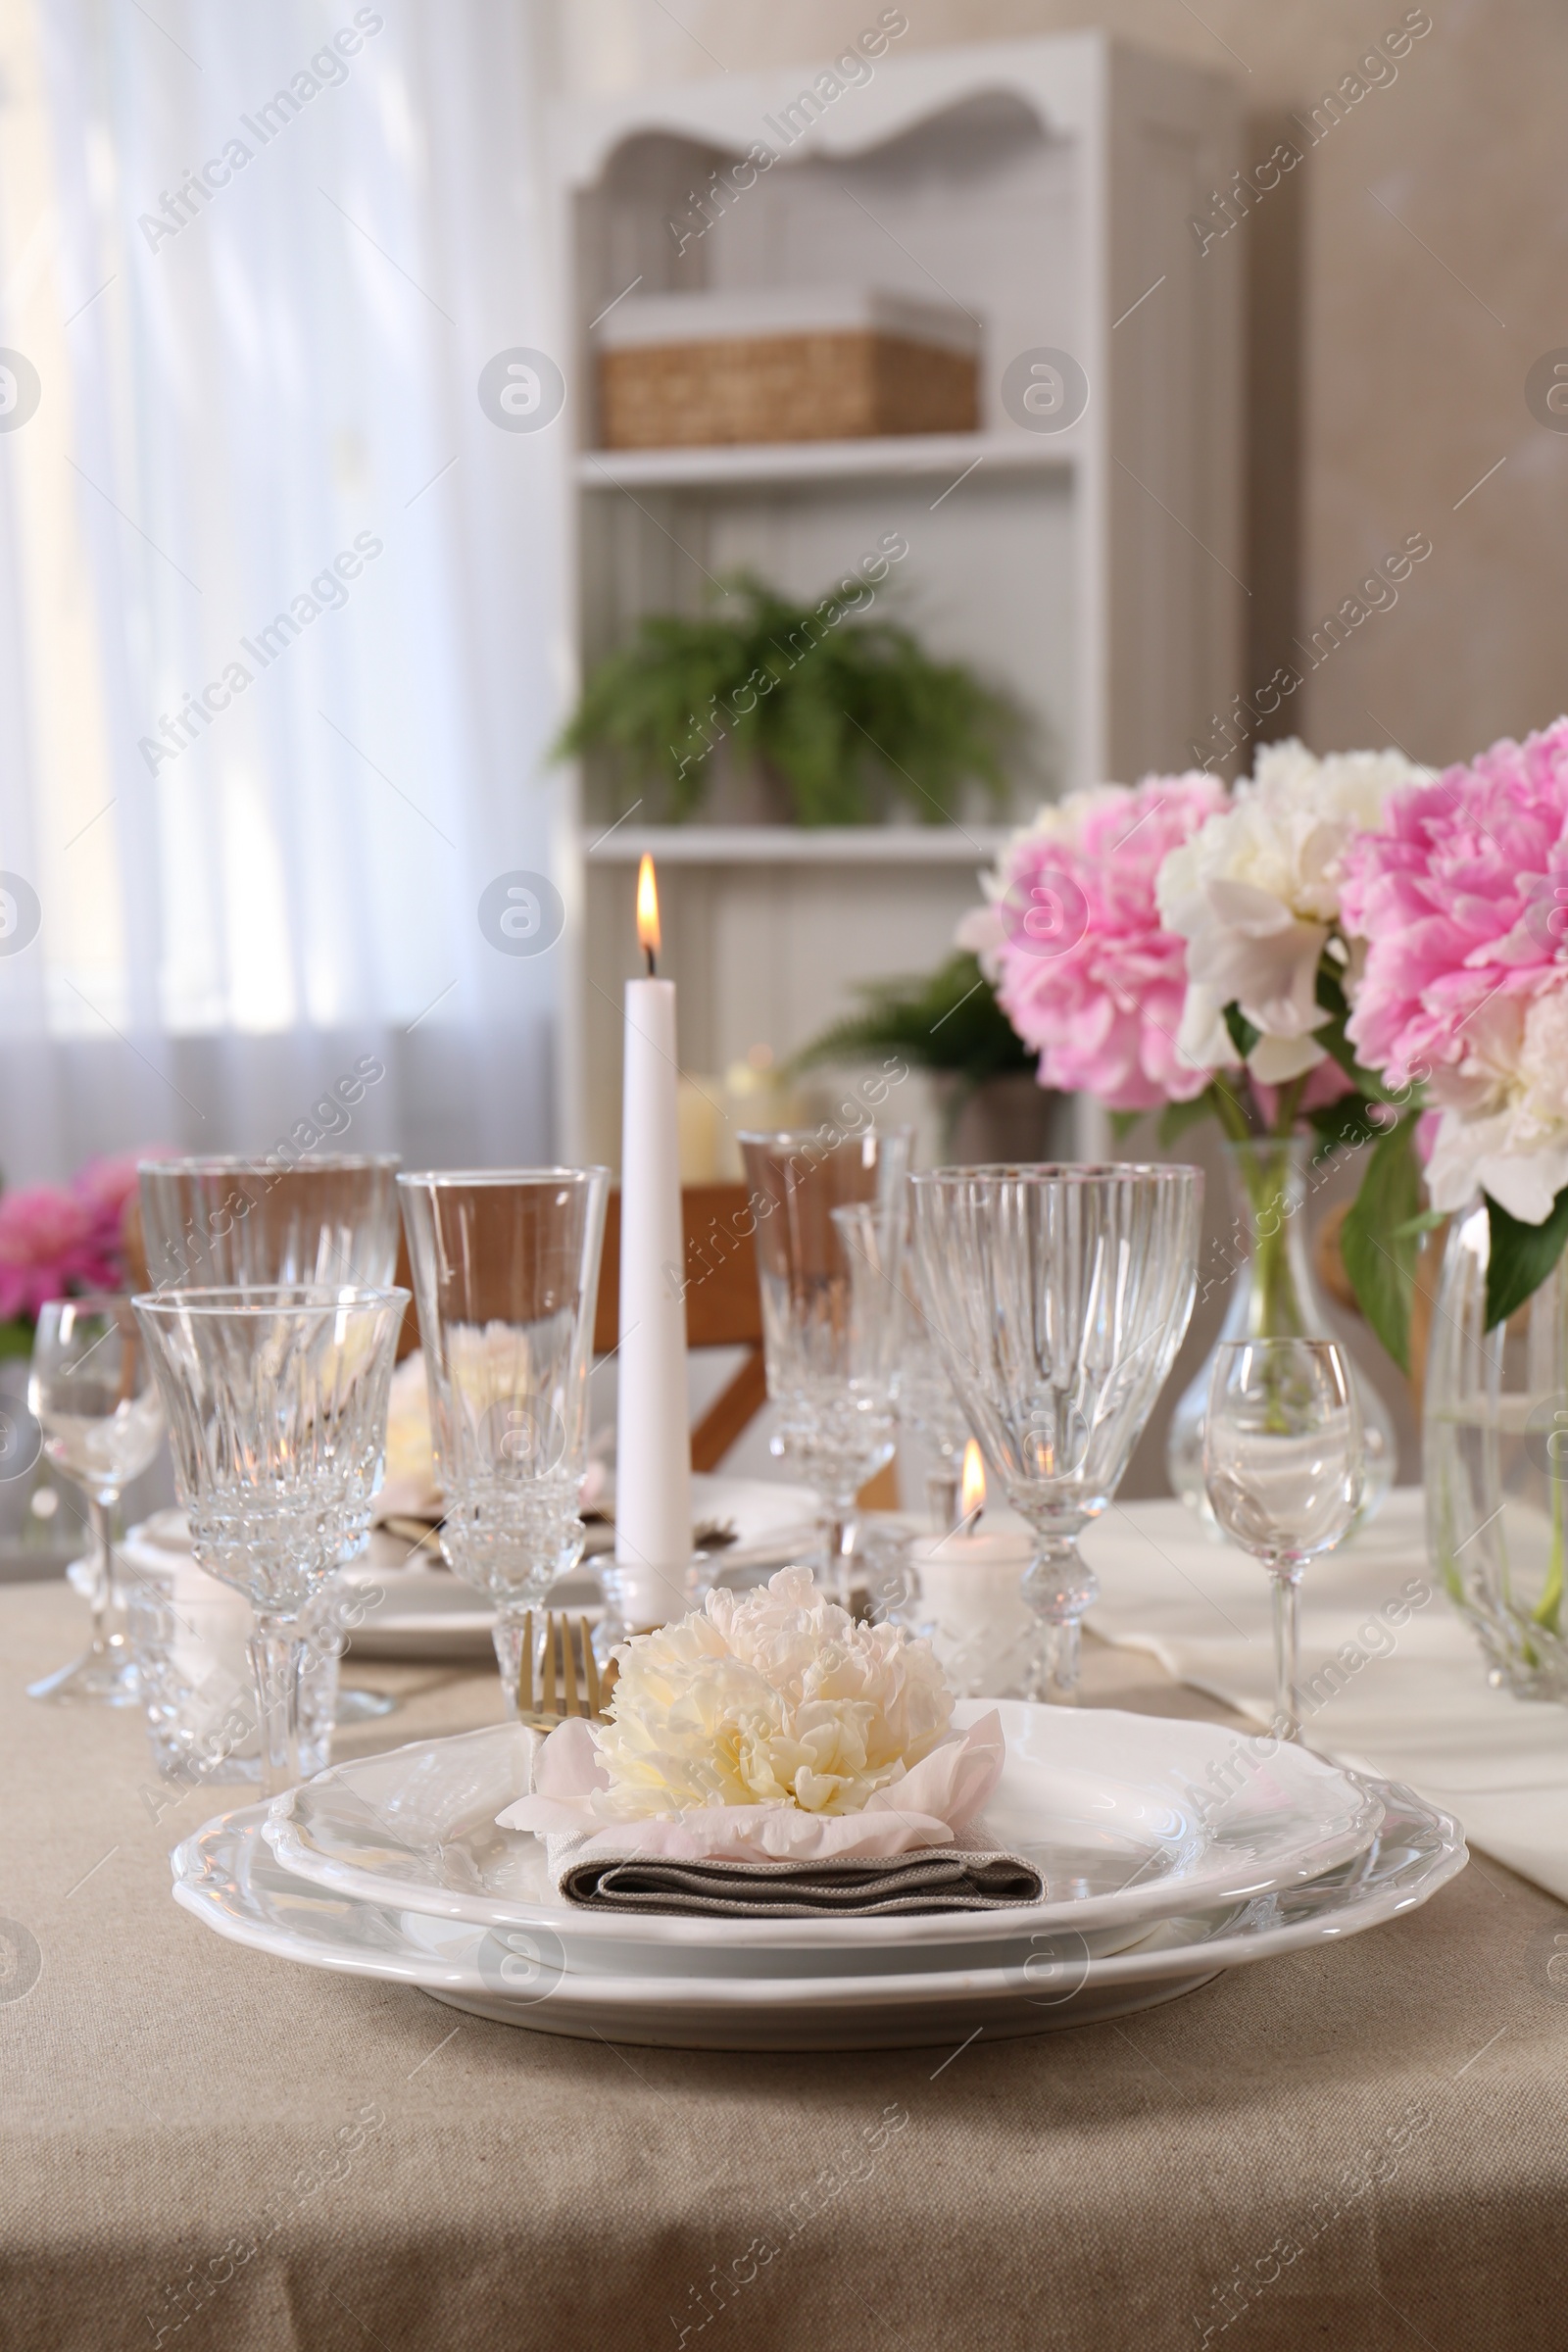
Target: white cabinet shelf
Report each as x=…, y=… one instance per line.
x=798, y=845
x=956, y=455
x=1044, y=185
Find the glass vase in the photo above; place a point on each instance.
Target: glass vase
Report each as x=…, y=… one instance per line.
x=1273, y=1297
x=1496, y=1441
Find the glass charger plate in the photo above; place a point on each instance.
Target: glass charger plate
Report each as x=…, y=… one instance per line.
x=1127, y=1816
x=228, y=1878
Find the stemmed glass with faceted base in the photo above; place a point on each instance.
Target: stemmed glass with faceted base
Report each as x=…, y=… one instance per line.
x=277, y=1400
x=929, y=1406
x=1283, y=1464
x=1059, y=1296
x=832, y=1362
x=91, y=1392
x=223, y=1224
x=506, y=1275
x=217, y=1223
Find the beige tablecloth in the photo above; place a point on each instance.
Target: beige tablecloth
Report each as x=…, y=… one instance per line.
x=1393, y=1680
x=1361, y=2147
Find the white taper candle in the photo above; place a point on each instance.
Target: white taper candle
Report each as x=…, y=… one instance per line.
x=653, y=1454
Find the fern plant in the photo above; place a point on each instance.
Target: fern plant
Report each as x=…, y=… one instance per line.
x=853, y=715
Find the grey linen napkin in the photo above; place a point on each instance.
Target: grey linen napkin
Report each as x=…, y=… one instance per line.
x=941, y=1878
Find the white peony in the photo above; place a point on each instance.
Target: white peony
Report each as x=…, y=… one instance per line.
x=1256, y=895
x=768, y=1724
x=408, y=1454
x=1505, y=1125
x=774, y=1696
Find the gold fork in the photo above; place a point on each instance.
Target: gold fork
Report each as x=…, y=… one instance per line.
x=538, y=1709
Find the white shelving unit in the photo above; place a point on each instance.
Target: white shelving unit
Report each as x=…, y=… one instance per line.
x=1046, y=186
x=959, y=455
x=798, y=845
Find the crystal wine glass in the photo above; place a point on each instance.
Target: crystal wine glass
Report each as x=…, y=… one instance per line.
x=217, y=1223
x=827, y=1376
x=92, y=1394
x=277, y=1400
x=1059, y=1296
x=506, y=1274
x=928, y=1404
x=221, y=1224
x=1283, y=1464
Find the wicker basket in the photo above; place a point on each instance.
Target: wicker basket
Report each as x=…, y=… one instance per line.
x=881, y=366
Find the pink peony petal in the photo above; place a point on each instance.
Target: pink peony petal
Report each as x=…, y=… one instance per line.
x=1455, y=894
x=1103, y=1013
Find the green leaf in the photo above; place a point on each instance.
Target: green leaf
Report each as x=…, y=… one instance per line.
x=1330, y=990
x=1343, y=1122
x=1380, y=1263
x=15, y=1336
x=1244, y=1037
x=1427, y=1223
x=1331, y=1037
x=1520, y=1256
x=1177, y=1117
x=1122, y=1123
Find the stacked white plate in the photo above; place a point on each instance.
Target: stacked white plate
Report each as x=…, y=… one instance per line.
x=1169, y=1850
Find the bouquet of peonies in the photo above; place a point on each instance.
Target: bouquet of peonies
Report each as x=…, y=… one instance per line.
x=1337, y=944
x=60, y=1241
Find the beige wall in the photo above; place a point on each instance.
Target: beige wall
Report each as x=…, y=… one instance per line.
x=1388, y=361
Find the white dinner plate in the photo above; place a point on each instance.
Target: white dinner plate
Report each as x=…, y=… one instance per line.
x=426, y=1613
x=228, y=1876
x=1126, y=1816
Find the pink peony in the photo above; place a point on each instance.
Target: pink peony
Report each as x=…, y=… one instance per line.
x=49, y=1244
x=57, y=1240
x=1082, y=966
x=1462, y=896
x=1454, y=895
x=106, y=1185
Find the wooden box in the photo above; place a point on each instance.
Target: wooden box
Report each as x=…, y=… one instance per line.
x=790, y=364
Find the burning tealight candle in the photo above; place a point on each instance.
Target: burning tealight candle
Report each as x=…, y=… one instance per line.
x=652, y=1452
x=970, y=1592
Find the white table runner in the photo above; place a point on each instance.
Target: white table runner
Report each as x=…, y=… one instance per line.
x=1394, y=1681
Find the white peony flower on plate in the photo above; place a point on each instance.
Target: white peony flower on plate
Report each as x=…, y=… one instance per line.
x=767, y=1725
x=1256, y=895
x=409, y=1482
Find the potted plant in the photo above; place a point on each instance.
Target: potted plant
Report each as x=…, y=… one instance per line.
x=839, y=719
x=951, y=1024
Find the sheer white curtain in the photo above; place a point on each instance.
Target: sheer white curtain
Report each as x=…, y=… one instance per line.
x=281, y=619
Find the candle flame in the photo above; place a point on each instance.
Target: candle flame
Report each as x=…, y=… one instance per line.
x=972, y=1492
x=647, y=908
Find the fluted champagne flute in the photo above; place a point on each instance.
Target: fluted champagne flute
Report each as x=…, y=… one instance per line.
x=506, y=1276
x=929, y=1406
x=833, y=1404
